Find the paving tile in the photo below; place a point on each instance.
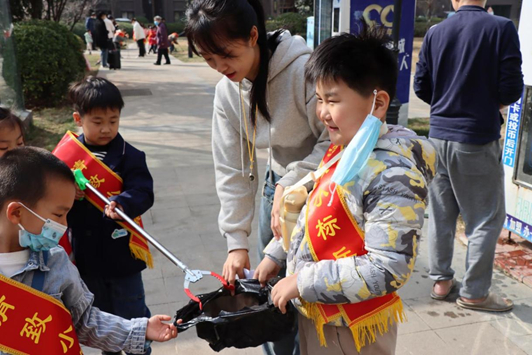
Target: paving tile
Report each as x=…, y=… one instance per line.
x=423, y=343
x=443, y=314
x=477, y=339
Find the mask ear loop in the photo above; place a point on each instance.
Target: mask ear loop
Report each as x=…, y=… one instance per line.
x=35, y=214
x=374, y=100
x=333, y=191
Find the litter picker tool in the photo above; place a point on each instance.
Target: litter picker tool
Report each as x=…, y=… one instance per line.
x=191, y=276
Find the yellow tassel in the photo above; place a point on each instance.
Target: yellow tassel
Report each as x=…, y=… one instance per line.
x=141, y=254
x=363, y=330
x=367, y=328
x=311, y=311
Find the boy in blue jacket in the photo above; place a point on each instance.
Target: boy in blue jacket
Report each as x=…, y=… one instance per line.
x=101, y=246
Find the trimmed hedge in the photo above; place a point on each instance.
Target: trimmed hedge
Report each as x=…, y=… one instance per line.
x=49, y=58
x=291, y=21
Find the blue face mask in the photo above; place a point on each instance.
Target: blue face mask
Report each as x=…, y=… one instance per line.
x=50, y=235
x=156, y=23
x=357, y=152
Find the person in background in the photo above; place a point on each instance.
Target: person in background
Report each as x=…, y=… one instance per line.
x=101, y=38
x=139, y=36
x=152, y=39
x=469, y=68
x=89, y=25
x=172, y=39
x=89, y=41
x=162, y=40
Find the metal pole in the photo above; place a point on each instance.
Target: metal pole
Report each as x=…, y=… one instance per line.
x=152, y=240
x=392, y=116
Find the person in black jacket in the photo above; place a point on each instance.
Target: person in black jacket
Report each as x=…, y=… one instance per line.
x=102, y=248
x=469, y=68
x=101, y=38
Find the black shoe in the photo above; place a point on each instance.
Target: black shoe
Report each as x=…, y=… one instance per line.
x=167, y=63
x=156, y=63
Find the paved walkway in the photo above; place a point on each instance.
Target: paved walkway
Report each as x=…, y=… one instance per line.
x=168, y=115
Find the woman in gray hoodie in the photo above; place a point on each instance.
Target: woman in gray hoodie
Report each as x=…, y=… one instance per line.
x=261, y=102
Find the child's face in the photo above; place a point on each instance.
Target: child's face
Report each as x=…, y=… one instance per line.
x=10, y=138
x=55, y=204
x=100, y=126
x=341, y=109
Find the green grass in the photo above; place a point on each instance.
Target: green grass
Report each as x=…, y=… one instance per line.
x=419, y=125
x=93, y=58
x=181, y=52
x=49, y=126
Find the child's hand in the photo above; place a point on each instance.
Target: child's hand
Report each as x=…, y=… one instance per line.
x=159, y=331
x=79, y=193
x=276, y=212
x=266, y=270
x=284, y=291
x=110, y=210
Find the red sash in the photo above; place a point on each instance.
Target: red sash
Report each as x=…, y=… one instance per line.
x=332, y=233
x=77, y=156
x=32, y=322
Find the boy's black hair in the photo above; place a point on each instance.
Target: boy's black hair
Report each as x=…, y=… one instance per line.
x=364, y=61
x=9, y=119
x=93, y=93
x=24, y=173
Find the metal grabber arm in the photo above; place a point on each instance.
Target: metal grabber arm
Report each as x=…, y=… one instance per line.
x=190, y=275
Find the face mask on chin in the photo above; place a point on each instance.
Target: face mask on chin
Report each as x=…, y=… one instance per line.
x=49, y=237
x=357, y=152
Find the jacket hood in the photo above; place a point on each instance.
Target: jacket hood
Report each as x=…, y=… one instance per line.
x=289, y=49
x=405, y=142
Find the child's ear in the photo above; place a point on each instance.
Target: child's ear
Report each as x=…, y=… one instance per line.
x=77, y=118
x=381, y=105
x=13, y=212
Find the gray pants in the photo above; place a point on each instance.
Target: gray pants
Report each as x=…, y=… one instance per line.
x=468, y=181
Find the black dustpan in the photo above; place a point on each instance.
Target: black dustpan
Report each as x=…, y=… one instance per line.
x=247, y=319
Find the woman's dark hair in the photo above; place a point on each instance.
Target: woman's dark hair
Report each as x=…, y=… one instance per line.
x=100, y=14
x=214, y=23
x=94, y=92
x=362, y=61
x=9, y=119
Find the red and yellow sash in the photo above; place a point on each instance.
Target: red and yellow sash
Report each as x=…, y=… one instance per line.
x=77, y=156
x=32, y=322
x=332, y=233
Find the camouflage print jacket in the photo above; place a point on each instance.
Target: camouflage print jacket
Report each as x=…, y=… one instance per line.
x=388, y=200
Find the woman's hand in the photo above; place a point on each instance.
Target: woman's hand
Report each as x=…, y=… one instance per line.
x=234, y=265
x=276, y=212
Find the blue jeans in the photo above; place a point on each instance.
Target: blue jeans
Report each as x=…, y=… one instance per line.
x=290, y=344
x=122, y=296
x=103, y=56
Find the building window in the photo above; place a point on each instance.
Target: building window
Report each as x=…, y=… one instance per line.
x=128, y=14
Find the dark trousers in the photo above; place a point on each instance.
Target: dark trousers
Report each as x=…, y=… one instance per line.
x=142, y=48
x=160, y=53
x=122, y=296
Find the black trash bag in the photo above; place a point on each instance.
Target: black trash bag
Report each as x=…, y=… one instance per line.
x=247, y=319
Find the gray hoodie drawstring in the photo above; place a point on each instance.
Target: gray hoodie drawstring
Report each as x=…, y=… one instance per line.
x=241, y=140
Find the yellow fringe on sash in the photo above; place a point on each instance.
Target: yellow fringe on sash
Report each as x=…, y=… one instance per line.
x=365, y=329
x=141, y=254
